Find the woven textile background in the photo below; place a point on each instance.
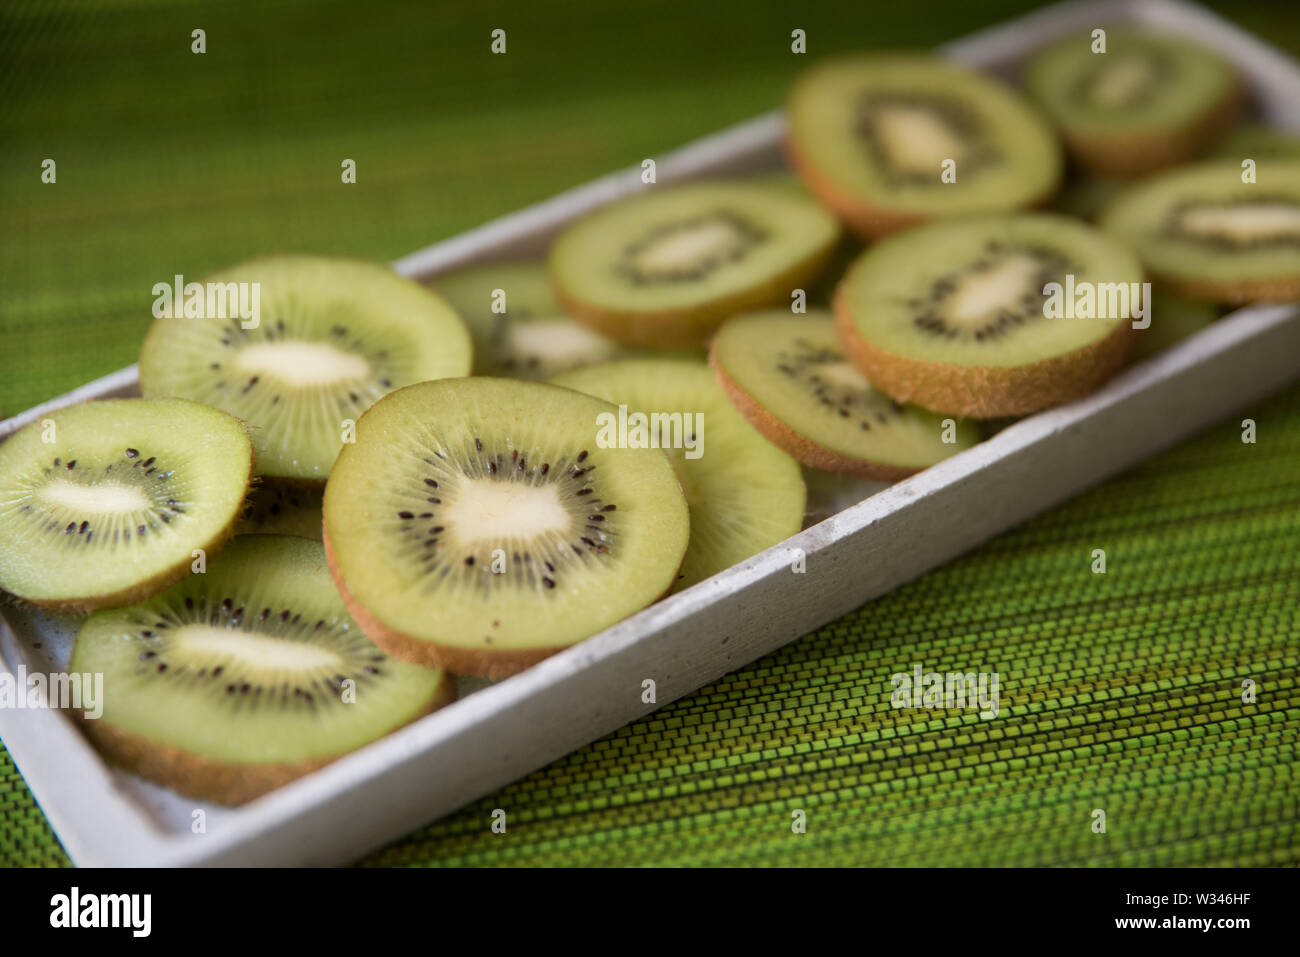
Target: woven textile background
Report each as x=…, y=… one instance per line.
x=1120, y=691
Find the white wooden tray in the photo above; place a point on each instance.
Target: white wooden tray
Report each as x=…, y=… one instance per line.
x=503, y=731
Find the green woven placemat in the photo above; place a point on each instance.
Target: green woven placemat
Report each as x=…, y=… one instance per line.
x=1119, y=692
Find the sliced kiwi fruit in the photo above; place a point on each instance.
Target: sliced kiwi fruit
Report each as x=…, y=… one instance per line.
x=480, y=525
x=519, y=328
x=235, y=682
x=790, y=377
x=105, y=503
x=745, y=494
x=1173, y=319
x=331, y=336
x=1207, y=235
x=664, y=267
x=282, y=508
x=873, y=137
x=959, y=316
x=1149, y=101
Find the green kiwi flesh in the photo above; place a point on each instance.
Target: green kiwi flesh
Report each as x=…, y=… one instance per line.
x=104, y=503
x=282, y=508
x=519, y=328
x=745, y=495
x=332, y=336
x=480, y=525
x=1255, y=141
x=873, y=137
x=793, y=380
x=240, y=679
x=1149, y=100
x=1208, y=235
x=664, y=267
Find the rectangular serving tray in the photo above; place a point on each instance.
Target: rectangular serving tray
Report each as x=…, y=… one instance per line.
x=502, y=731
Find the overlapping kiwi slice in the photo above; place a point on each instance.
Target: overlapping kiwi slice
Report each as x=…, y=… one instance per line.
x=332, y=336
x=957, y=316
x=1207, y=235
x=288, y=508
x=873, y=137
x=745, y=494
x=790, y=377
x=519, y=328
x=666, y=266
x=481, y=525
x=105, y=503
x=1148, y=101
x=237, y=681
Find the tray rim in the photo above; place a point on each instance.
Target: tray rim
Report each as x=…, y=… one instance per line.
x=98, y=826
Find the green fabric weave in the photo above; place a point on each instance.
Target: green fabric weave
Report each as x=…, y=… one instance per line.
x=1120, y=692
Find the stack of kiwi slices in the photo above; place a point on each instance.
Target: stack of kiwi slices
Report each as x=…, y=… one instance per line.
x=464, y=476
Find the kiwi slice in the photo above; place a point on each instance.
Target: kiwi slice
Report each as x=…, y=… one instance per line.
x=790, y=377
x=956, y=316
x=1148, y=102
x=664, y=267
x=480, y=525
x=745, y=494
x=105, y=503
x=1207, y=235
x=532, y=338
x=332, y=335
x=235, y=682
x=871, y=136
x=276, y=508
x=1173, y=319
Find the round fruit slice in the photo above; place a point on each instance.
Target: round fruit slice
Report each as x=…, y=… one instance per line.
x=745, y=494
x=282, y=509
x=666, y=266
x=889, y=141
x=962, y=317
x=329, y=337
x=519, y=328
x=1257, y=142
x=483, y=524
x=1146, y=102
x=105, y=503
x=235, y=682
x=1207, y=235
x=790, y=377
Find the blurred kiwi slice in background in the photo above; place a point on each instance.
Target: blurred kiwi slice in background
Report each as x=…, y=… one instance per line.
x=745, y=494
x=1205, y=234
x=1173, y=319
x=105, y=503
x=483, y=524
x=664, y=267
x=1256, y=141
x=891, y=140
x=239, y=680
x=519, y=328
x=1148, y=101
x=957, y=317
x=790, y=377
x=331, y=337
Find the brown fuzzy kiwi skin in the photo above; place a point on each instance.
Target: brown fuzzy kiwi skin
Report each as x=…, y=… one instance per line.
x=1142, y=153
x=460, y=661
x=683, y=328
x=869, y=222
x=799, y=446
x=986, y=392
x=208, y=779
x=163, y=580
